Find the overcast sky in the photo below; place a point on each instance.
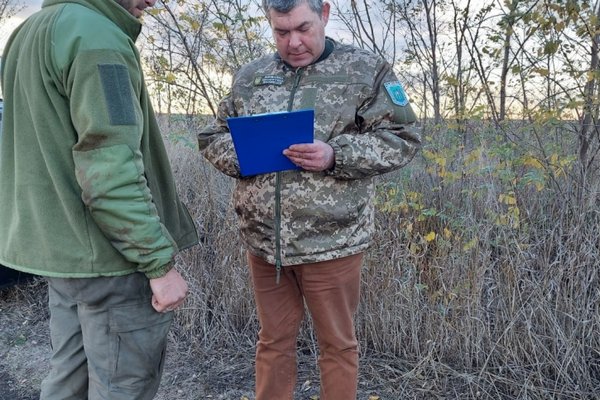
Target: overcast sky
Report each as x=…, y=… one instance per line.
x=30, y=6
x=7, y=27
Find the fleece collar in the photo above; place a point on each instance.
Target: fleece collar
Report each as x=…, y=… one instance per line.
x=110, y=9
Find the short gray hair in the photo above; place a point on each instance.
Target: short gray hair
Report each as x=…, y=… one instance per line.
x=285, y=6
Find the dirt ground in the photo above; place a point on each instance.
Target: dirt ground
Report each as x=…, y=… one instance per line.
x=189, y=374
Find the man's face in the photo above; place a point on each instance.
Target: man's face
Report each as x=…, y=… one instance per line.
x=299, y=34
x=136, y=7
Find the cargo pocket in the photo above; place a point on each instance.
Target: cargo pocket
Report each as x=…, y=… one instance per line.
x=138, y=343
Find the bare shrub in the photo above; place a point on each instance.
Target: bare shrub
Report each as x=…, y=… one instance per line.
x=481, y=282
x=219, y=310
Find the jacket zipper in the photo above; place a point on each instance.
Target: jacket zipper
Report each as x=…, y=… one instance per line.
x=278, y=189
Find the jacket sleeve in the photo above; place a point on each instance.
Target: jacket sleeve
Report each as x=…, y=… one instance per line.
x=385, y=139
x=104, y=88
x=215, y=141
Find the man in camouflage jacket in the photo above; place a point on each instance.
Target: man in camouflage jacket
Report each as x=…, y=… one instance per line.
x=306, y=230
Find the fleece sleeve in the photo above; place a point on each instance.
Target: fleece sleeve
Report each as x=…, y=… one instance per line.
x=104, y=88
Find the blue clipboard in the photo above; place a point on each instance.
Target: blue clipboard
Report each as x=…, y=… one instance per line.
x=260, y=139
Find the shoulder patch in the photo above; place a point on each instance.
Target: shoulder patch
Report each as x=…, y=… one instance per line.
x=268, y=80
x=397, y=93
x=117, y=93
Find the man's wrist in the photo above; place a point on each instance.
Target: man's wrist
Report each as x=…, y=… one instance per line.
x=160, y=271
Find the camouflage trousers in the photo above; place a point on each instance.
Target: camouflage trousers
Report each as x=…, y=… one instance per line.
x=330, y=290
x=107, y=341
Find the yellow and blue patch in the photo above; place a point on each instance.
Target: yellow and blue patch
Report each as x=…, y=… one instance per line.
x=396, y=93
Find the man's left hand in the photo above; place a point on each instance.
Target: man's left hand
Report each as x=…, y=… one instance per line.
x=317, y=156
x=169, y=291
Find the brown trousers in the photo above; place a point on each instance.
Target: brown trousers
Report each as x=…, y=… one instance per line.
x=331, y=291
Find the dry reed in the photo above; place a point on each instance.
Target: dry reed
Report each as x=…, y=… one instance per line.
x=485, y=310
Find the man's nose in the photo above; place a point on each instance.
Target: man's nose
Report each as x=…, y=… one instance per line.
x=295, y=39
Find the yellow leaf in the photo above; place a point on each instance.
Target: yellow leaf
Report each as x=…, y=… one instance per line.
x=507, y=199
x=170, y=78
x=470, y=244
x=502, y=220
x=430, y=236
x=539, y=186
x=414, y=248
x=374, y=397
x=447, y=233
x=428, y=154
x=473, y=156
x=533, y=162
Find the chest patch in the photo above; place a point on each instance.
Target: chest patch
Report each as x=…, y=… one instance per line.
x=396, y=93
x=268, y=80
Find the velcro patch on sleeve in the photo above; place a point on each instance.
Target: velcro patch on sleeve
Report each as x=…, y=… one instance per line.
x=396, y=93
x=117, y=93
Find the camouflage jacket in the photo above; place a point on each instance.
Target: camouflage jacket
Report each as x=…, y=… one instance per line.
x=361, y=110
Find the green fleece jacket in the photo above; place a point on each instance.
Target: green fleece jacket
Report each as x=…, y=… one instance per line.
x=86, y=189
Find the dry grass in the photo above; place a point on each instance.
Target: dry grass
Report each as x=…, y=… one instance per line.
x=499, y=305
x=491, y=310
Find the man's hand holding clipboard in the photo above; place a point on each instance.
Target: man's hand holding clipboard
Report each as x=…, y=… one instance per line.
x=261, y=141
x=316, y=156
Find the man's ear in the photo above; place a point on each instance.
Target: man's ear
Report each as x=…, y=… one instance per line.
x=325, y=12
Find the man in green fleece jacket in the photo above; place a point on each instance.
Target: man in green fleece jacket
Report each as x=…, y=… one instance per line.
x=87, y=197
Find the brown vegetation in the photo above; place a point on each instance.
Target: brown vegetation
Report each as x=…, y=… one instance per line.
x=482, y=281
x=483, y=278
